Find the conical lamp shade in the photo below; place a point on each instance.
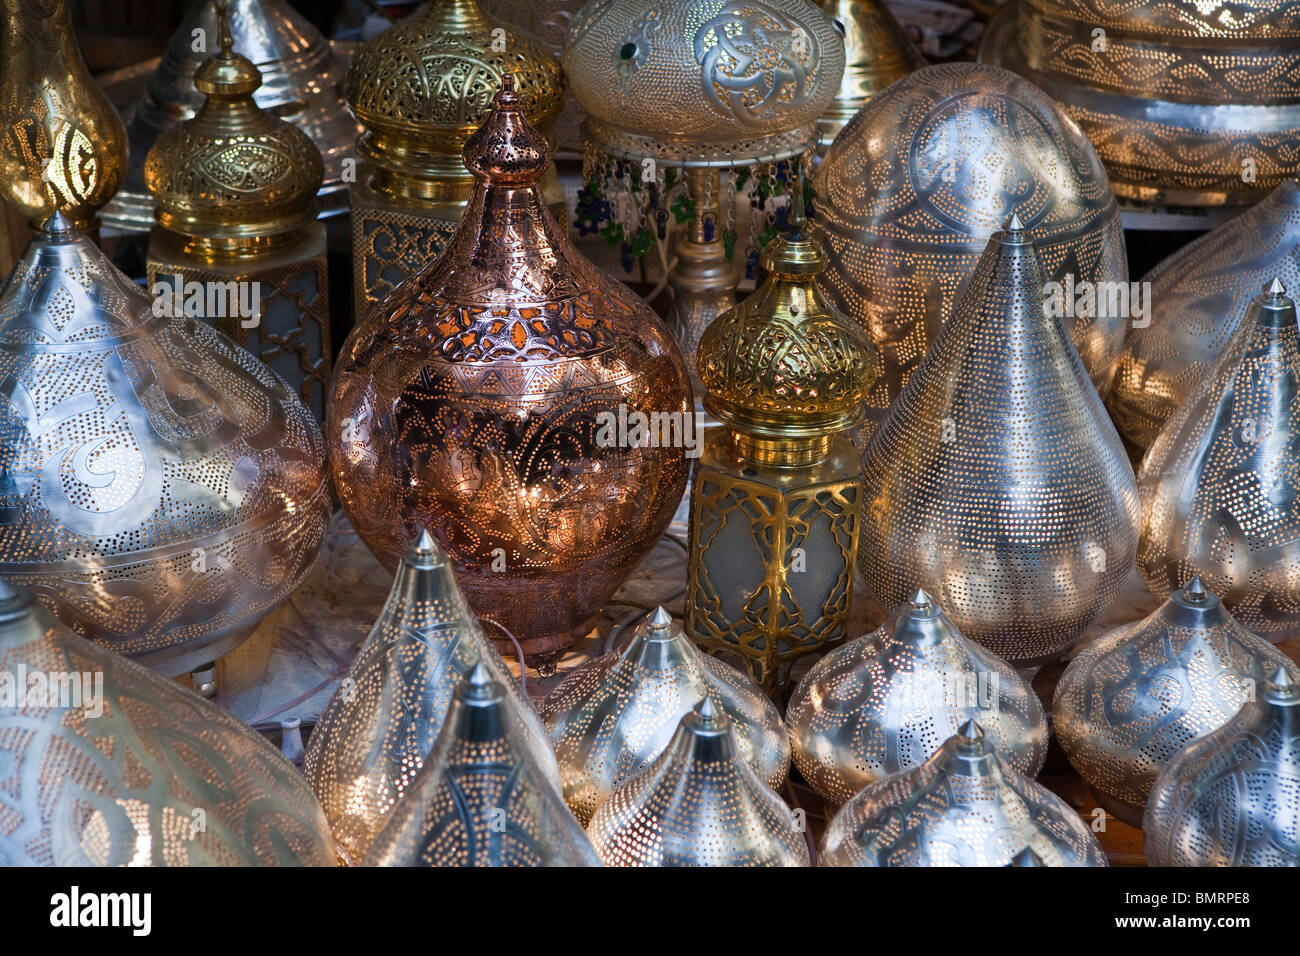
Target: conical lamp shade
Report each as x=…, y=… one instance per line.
x=375, y=732
x=1233, y=797
x=1135, y=697
x=1198, y=296
x=162, y=490
x=1220, y=486
x=962, y=807
x=885, y=702
x=698, y=804
x=613, y=715
x=483, y=797
x=997, y=483
x=104, y=763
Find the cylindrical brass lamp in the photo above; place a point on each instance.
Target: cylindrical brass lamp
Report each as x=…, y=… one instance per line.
x=777, y=496
x=235, y=199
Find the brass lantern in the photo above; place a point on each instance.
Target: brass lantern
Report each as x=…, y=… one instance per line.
x=375, y=732
x=913, y=188
x=1232, y=798
x=612, y=716
x=161, y=489
x=885, y=702
x=877, y=52
x=103, y=763
x=1198, y=296
x=777, y=497
x=1135, y=697
x=1220, y=488
x=421, y=88
x=698, y=804
x=482, y=798
x=62, y=144
x=997, y=483
x=302, y=76
x=1190, y=103
x=484, y=400
x=235, y=191
x=679, y=97
x=962, y=807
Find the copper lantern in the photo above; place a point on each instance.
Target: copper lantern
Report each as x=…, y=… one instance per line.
x=483, y=399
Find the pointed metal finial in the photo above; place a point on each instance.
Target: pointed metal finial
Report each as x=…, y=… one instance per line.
x=660, y=620
x=1027, y=857
x=798, y=211
x=921, y=600
x=1014, y=224
x=478, y=677
x=1282, y=679
x=706, y=709
x=425, y=543
x=224, y=39
x=58, y=224
x=1195, y=589
x=1275, y=287
x=970, y=731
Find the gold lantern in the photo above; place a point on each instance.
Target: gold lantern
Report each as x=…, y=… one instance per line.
x=884, y=703
x=483, y=797
x=612, y=716
x=1190, y=103
x=677, y=94
x=108, y=764
x=1220, y=489
x=421, y=88
x=373, y=735
x=1135, y=697
x=698, y=804
x=777, y=495
x=962, y=807
x=877, y=52
x=235, y=192
x=302, y=76
x=997, y=483
x=483, y=400
x=1232, y=798
x=913, y=188
x=62, y=144
x=1198, y=296
x=162, y=490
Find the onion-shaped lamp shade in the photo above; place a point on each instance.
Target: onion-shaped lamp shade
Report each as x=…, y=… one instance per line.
x=612, y=716
x=476, y=401
x=1132, y=699
x=997, y=483
x=913, y=188
x=483, y=797
x=375, y=732
x=885, y=702
x=1232, y=798
x=698, y=804
x=962, y=807
x=104, y=763
x=161, y=488
x=1221, y=484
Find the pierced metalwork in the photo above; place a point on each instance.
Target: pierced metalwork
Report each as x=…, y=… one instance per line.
x=1190, y=103
x=1233, y=797
x=698, y=804
x=481, y=401
x=483, y=797
x=116, y=766
x=162, y=490
x=886, y=702
x=997, y=483
x=962, y=807
x=912, y=189
x=612, y=716
x=1134, y=698
x=1220, y=489
x=375, y=732
x=1198, y=296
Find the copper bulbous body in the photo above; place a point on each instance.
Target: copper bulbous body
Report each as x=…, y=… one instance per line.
x=1134, y=698
x=482, y=399
x=162, y=489
x=916, y=183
